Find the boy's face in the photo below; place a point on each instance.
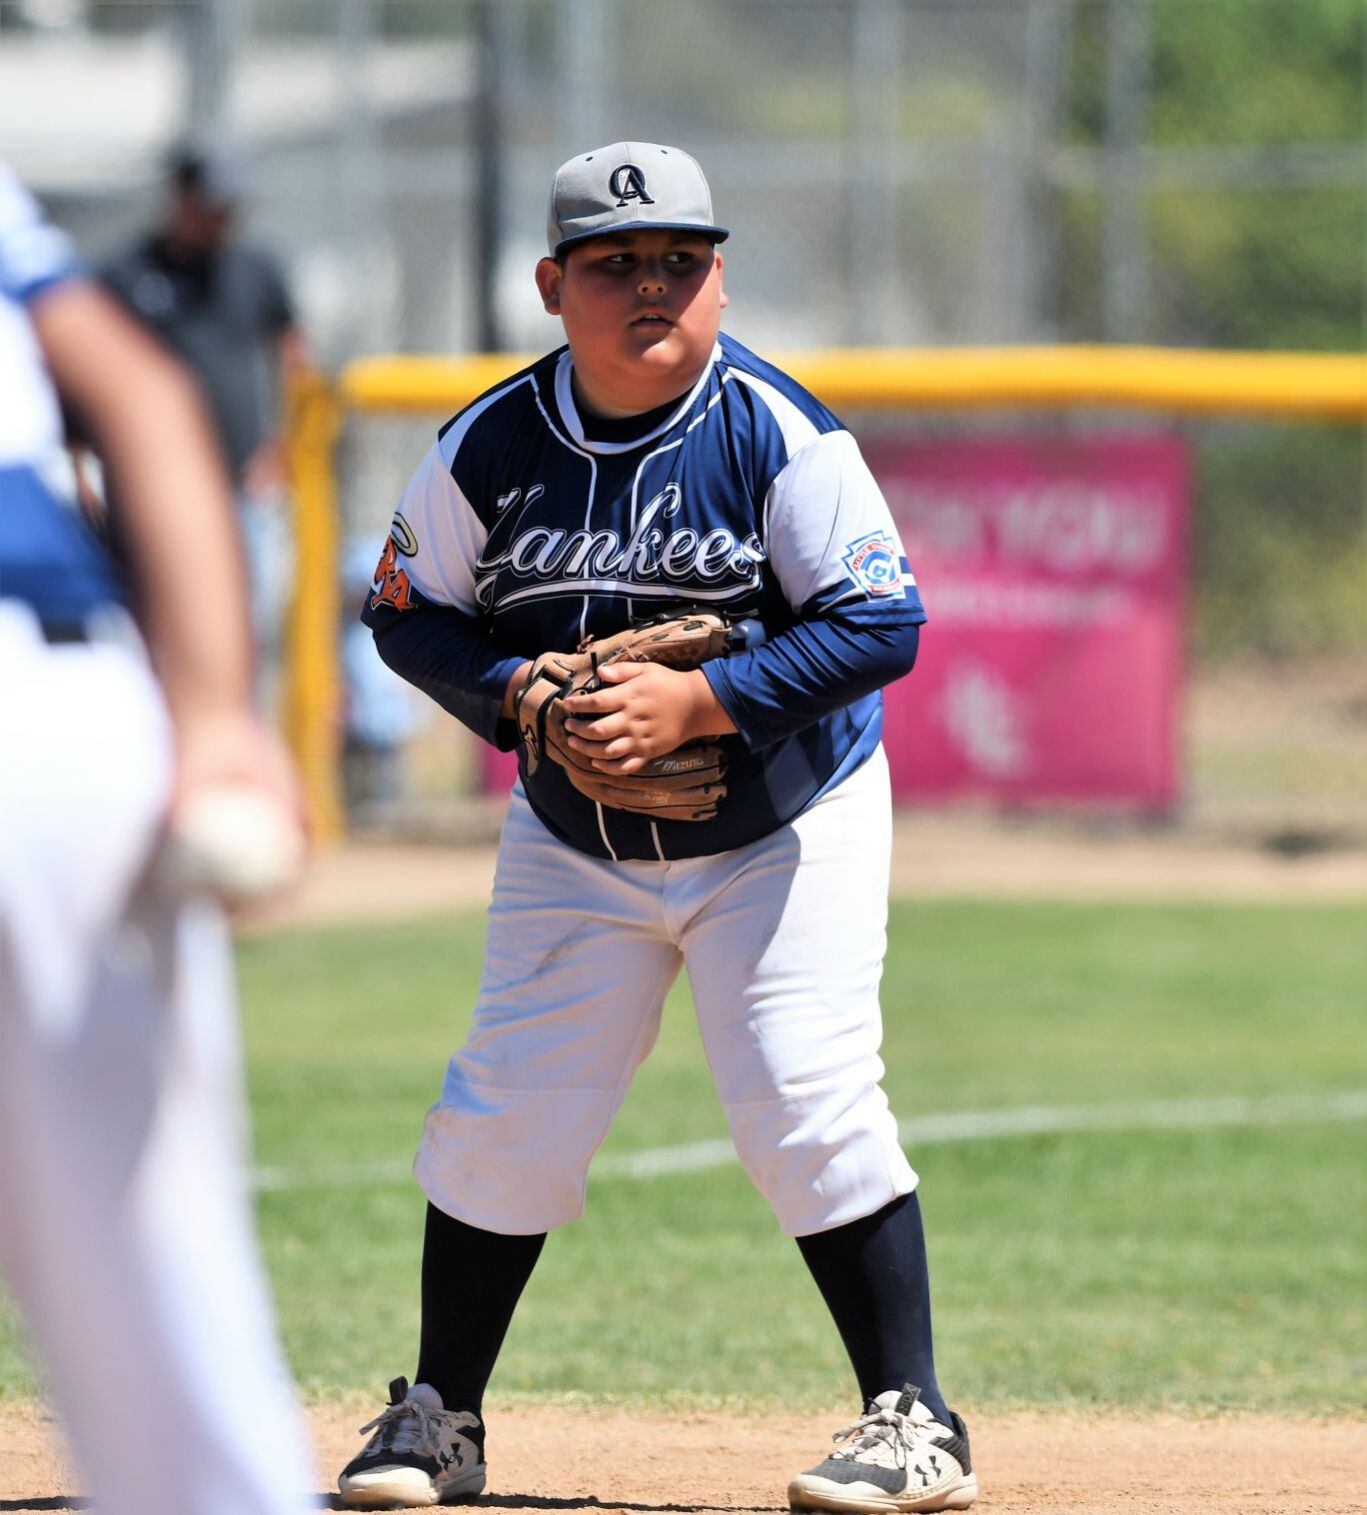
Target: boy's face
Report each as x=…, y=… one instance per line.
x=641, y=311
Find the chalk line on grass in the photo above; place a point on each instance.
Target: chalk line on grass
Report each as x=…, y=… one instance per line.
x=926, y=1130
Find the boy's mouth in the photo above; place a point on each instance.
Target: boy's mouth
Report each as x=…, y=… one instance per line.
x=651, y=318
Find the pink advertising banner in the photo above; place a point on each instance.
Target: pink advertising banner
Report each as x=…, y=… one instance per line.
x=1054, y=574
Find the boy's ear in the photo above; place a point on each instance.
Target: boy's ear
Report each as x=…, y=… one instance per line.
x=548, y=278
x=723, y=302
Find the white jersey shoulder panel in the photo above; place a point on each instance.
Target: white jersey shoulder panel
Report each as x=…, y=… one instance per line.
x=819, y=511
x=797, y=429
x=438, y=534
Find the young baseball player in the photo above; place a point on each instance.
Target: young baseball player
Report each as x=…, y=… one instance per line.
x=653, y=465
x=125, y=1229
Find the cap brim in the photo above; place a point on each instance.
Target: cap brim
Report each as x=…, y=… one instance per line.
x=714, y=234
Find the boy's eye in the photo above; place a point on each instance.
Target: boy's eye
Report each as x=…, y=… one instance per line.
x=617, y=262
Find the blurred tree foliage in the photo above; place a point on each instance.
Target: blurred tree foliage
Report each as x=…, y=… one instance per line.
x=1258, y=242
x=1281, y=560
x=1276, y=89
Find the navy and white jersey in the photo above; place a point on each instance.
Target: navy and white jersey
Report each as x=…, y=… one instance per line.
x=520, y=533
x=48, y=557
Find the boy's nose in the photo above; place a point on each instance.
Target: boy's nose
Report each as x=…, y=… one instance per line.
x=651, y=283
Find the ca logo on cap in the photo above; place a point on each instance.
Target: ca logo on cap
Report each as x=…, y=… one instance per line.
x=629, y=183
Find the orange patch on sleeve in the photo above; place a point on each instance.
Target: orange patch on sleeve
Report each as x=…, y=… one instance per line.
x=392, y=583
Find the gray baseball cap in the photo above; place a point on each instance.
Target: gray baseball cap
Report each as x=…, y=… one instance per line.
x=629, y=186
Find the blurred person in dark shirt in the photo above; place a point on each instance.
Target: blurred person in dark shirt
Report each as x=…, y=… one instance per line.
x=223, y=305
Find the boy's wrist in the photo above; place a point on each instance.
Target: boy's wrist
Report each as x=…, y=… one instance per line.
x=707, y=716
x=514, y=688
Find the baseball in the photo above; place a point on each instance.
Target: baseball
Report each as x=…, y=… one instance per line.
x=234, y=841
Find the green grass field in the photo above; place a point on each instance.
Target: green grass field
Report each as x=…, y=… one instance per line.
x=1195, y=1265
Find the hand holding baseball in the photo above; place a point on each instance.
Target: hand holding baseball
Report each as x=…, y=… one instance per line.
x=235, y=828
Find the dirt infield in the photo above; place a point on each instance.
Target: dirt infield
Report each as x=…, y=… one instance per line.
x=933, y=858
x=552, y=1458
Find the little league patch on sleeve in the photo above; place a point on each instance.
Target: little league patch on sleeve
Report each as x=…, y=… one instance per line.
x=874, y=563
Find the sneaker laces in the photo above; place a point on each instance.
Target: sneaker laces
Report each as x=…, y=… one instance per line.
x=871, y=1428
x=402, y=1427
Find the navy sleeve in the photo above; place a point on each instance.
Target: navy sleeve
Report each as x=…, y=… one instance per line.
x=819, y=665
x=451, y=658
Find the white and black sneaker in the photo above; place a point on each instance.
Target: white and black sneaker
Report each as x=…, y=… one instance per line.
x=897, y=1457
x=421, y=1453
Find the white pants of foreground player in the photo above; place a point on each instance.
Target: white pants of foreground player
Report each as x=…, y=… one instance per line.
x=124, y=1225
x=783, y=941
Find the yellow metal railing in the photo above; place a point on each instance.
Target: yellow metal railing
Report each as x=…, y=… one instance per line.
x=1311, y=386
x=1284, y=385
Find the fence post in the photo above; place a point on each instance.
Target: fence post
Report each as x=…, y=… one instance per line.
x=312, y=685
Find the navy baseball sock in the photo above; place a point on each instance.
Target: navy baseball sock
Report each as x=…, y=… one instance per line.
x=471, y=1283
x=872, y=1274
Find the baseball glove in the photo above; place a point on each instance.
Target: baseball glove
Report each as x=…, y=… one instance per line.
x=683, y=785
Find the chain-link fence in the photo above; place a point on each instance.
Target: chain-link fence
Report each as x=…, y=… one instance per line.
x=902, y=171
x=914, y=172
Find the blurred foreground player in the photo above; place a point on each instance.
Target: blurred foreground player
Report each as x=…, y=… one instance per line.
x=653, y=466
x=125, y=1230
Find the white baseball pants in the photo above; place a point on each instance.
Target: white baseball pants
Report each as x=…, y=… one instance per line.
x=783, y=941
x=125, y=1229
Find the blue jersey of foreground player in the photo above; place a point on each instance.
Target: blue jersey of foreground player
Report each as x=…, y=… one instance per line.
x=48, y=557
x=523, y=530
